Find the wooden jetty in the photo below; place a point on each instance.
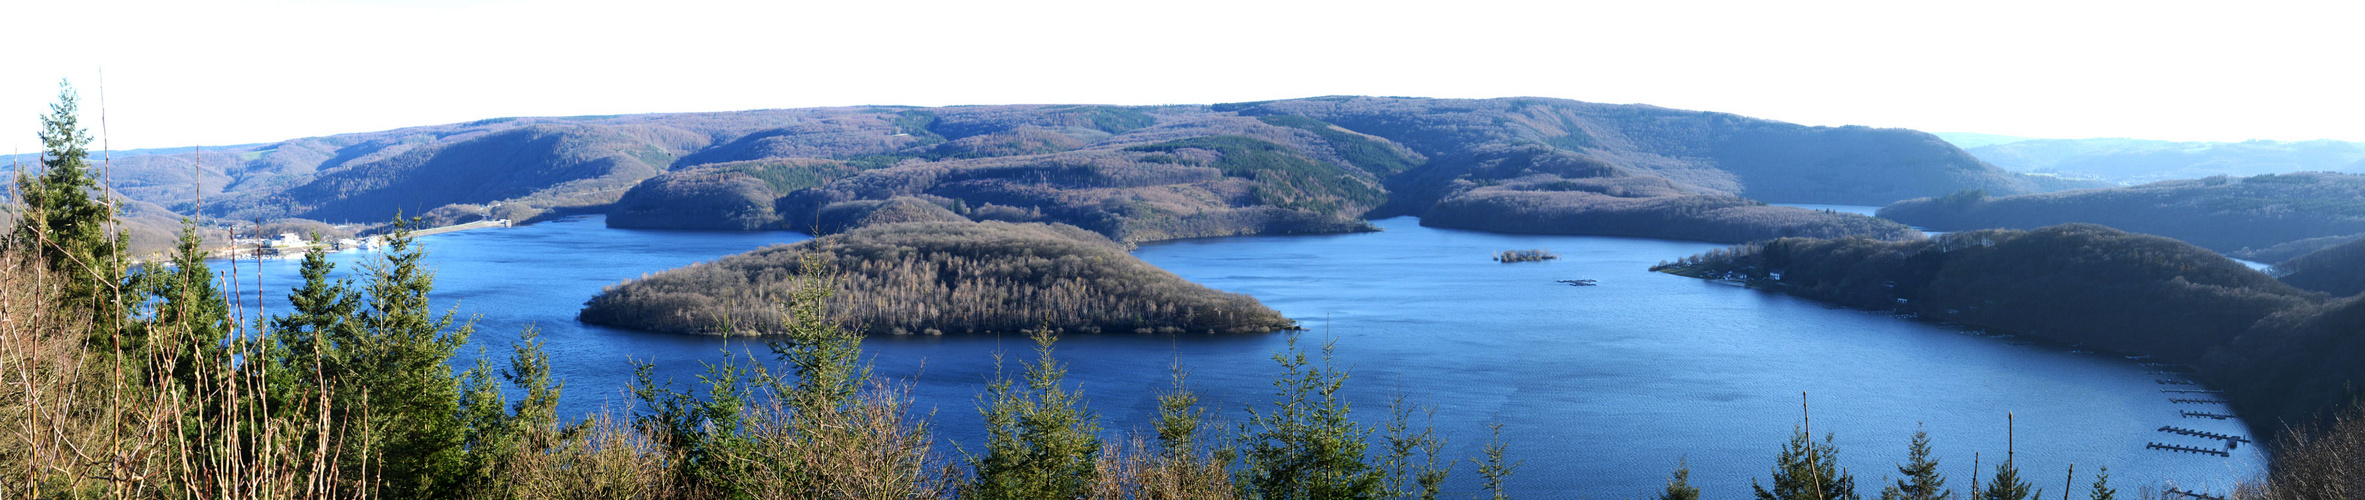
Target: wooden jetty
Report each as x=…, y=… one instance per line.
x=2191, y=391
x=2183, y=401
x=2203, y=414
x=2163, y=381
x=2206, y=434
x=1579, y=282
x=2190, y=494
x=2187, y=449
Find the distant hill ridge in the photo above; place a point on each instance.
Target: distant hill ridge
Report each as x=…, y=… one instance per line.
x=2264, y=218
x=1139, y=173
x=2132, y=161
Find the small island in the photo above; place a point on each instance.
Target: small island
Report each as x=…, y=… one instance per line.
x=1533, y=255
x=917, y=273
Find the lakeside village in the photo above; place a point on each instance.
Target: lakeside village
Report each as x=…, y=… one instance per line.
x=292, y=245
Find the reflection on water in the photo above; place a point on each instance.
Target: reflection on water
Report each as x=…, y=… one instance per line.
x=1599, y=389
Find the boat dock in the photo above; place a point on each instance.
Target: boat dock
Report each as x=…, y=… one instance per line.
x=2196, y=401
x=2203, y=414
x=2188, y=494
x=2206, y=434
x=2187, y=449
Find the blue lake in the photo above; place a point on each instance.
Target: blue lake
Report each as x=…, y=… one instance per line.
x=1600, y=390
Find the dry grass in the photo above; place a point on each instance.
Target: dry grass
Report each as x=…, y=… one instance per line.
x=2322, y=462
x=82, y=421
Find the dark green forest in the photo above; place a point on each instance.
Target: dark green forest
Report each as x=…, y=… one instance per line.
x=2283, y=355
x=2338, y=270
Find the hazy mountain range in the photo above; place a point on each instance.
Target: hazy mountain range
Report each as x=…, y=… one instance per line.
x=2135, y=161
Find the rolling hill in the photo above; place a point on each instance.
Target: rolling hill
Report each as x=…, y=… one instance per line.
x=2248, y=217
x=1133, y=174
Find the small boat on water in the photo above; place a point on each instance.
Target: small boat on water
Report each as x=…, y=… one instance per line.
x=1579, y=282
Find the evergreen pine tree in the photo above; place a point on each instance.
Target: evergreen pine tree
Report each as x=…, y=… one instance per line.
x=1041, y=443
x=1405, y=476
x=302, y=344
x=2102, y=489
x=1679, y=486
x=190, y=308
x=2007, y=485
x=397, y=362
x=1922, y=480
x=1807, y=470
x=64, y=221
x=1494, y=468
x=1306, y=447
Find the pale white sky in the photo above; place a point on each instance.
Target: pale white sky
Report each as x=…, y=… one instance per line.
x=226, y=72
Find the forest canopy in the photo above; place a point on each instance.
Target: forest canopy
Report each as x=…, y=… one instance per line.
x=2282, y=354
x=939, y=278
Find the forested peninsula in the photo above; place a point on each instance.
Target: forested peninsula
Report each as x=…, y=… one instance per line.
x=905, y=266
x=2264, y=218
x=2283, y=355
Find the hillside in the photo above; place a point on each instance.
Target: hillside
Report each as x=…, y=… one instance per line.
x=1322, y=164
x=2130, y=161
x=2241, y=216
x=1133, y=174
x=2338, y=270
x=938, y=278
x=2089, y=285
x=1644, y=207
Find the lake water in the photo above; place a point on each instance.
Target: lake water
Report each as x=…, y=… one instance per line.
x=1600, y=390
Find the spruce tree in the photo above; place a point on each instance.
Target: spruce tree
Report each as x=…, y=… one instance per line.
x=2102, y=489
x=1041, y=442
x=1306, y=446
x=190, y=308
x=63, y=220
x=1806, y=470
x=2007, y=485
x=1493, y=469
x=1679, y=486
x=1921, y=481
x=302, y=343
x=397, y=362
x=1404, y=475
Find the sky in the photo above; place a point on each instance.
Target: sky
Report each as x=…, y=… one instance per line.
x=180, y=73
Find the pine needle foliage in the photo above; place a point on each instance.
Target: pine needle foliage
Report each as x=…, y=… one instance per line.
x=1041, y=442
x=1921, y=481
x=1807, y=470
x=1305, y=446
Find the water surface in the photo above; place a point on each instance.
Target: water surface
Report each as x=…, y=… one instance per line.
x=1600, y=390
